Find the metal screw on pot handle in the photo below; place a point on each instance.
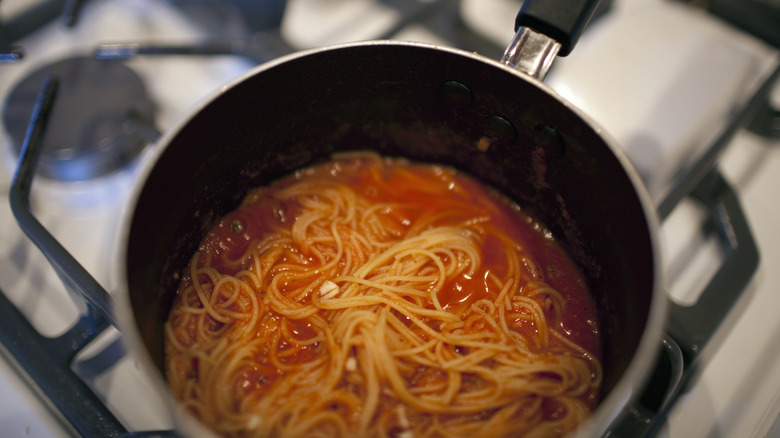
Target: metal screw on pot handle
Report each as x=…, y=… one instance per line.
x=546, y=29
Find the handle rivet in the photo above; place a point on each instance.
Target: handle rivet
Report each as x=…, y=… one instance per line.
x=455, y=95
x=499, y=128
x=549, y=139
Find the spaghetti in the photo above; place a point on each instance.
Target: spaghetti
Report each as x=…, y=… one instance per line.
x=374, y=297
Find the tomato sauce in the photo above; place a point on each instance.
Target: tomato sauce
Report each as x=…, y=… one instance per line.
x=404, y=191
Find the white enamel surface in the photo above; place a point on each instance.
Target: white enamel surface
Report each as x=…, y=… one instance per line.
x=653, y=72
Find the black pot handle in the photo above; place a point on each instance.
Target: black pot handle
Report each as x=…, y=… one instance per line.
x=562, y=20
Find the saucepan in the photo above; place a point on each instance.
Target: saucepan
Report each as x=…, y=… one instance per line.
x=429, y=104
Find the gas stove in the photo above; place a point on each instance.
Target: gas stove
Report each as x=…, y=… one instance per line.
x=683, y=90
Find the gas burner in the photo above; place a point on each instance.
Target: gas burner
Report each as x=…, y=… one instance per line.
x=103, y=121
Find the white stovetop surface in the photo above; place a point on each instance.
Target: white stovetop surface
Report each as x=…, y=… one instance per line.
x=655, y=74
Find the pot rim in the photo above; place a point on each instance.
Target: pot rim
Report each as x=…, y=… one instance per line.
x=609, y=409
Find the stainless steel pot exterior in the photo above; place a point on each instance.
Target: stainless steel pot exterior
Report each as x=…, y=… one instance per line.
x=429, y=104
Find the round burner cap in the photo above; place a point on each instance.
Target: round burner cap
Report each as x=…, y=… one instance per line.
x=96, y=126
